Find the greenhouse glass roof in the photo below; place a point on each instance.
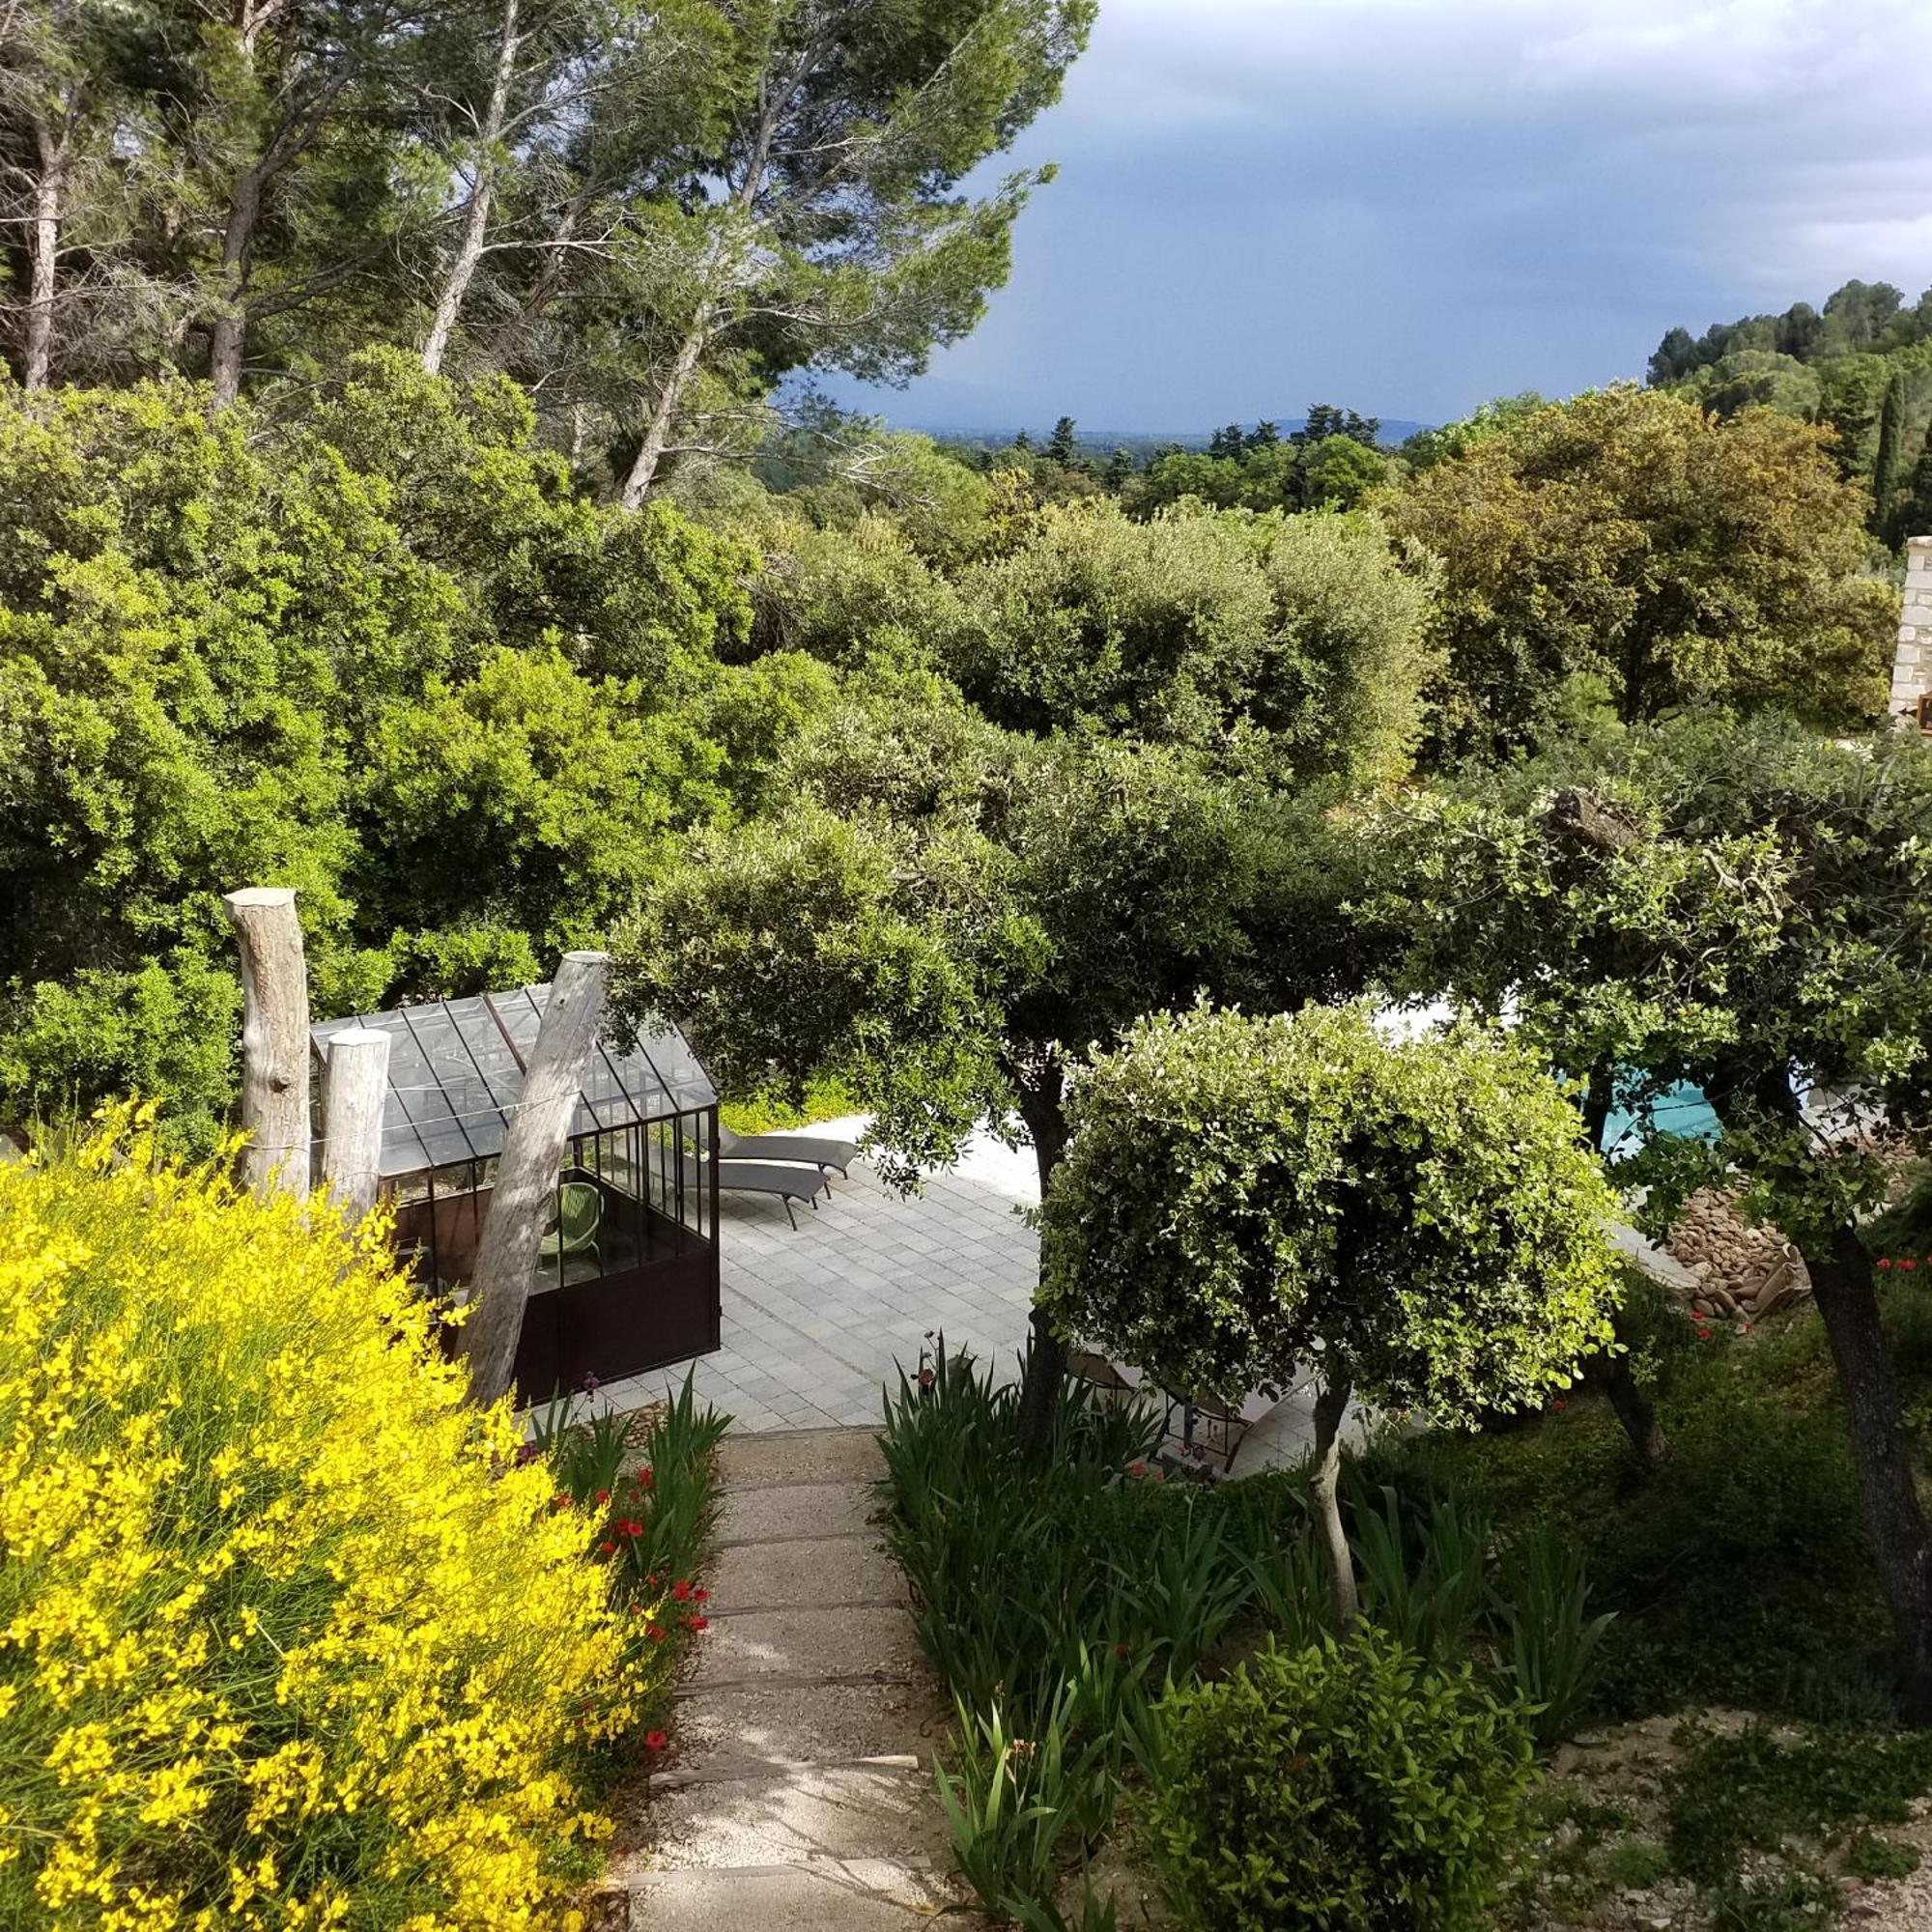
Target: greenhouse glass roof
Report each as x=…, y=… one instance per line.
x=456, y=1072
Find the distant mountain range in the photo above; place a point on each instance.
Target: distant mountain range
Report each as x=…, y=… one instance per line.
x=1103, y=442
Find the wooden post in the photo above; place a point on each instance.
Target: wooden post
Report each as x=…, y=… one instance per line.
x=525, y=1195
x=355, y=1091
x=274, y=1039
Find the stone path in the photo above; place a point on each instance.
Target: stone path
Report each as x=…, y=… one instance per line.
x=801, y=1794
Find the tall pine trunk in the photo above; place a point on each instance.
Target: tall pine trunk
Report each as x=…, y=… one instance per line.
x=482, y=196
x=43, y=255
x=228, y=329
x=657, y=433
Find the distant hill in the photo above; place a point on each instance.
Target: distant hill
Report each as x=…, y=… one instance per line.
x=1139, y=442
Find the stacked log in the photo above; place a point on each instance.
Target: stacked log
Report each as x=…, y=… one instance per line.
x=1745, y=1272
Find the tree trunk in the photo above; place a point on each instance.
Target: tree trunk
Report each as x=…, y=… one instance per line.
x=354, y=1092
x=274, y=1039
x=228, y=331
x=525, y=1195
x=1633, y=1409
x=1046, y=1358
x=1841, y=1284
x=1611, y=1370
x=43, y=257
x=657, y=436
x=482, y=194
x=1842, y=1287
x=1331, y=1405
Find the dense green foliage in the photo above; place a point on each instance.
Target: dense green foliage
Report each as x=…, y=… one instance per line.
x=393, y=659
x=1342, y=1787
x=1241, y=1194
x=1630, y=538
x=1059, y=1597
x=1862, y=368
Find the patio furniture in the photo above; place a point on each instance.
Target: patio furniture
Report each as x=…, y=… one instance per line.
x=758, y=1176
x=1206, y=1427
x=817, y=1154
x=1100, y=1374
x=573, y=1229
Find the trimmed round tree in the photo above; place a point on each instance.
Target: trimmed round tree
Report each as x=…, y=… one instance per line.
x=1243, y=1198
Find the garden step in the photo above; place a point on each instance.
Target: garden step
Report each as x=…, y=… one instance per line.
x=870, y=1895
x=788, y=1510
x=800, y=1815
x=789, y=1723
x=801, y=1570
x=786, y=1459
x=809, y=1642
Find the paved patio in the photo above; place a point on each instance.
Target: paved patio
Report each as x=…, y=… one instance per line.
x=817, y=1319
x=814, y=1320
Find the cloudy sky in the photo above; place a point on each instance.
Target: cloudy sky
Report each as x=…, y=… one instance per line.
x=1407, y=206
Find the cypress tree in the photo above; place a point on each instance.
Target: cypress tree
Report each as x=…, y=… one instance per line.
x=1885, y=465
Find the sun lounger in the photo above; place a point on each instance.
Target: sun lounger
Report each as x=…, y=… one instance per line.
x=817, y=1154
x=763, y=1176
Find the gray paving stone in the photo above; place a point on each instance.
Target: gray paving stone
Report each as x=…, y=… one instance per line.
x=823, y=1897
x=796, y=1575
x=829, y=1456
x=809, y=1643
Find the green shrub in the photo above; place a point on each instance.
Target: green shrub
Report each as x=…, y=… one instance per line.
x=1348, y=1788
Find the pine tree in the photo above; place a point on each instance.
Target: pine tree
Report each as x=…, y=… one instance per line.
x=1060, y=446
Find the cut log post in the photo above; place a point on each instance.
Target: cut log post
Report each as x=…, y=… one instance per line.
x=274, y=1039
x=524, y=1194
x=355, y=1091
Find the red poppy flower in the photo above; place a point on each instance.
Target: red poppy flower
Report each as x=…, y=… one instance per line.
x=1885, y=1261
x=1123, y=1650
x=700, y=1596
x=631, y=1529
x=696, y=1624
x=1908, y=1263
x=606, y=1548
x=645, y=1476
x=1137, y=1468
x=655, y=1740
x=681, y=1590
x=655, y=1632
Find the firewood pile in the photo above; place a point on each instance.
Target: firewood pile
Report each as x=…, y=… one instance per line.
x=1745, y=1272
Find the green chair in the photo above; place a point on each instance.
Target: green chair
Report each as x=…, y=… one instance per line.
x=573, y=1229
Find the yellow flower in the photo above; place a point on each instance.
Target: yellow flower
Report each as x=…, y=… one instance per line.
x=267, y=1566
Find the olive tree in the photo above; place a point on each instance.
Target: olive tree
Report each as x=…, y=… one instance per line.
x=1751, y=913
x=945, y=916
x=1244, y=1195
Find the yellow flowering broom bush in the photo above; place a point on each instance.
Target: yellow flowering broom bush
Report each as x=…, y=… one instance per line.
x=288, y=1637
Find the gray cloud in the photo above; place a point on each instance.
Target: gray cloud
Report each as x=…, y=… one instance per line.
x=1408, y=206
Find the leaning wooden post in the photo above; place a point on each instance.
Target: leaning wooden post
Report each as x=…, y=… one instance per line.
x=355, y=1091
x=274, y=1039
x=525, y=1195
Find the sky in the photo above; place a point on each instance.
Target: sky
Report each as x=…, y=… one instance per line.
x=1405, y=207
